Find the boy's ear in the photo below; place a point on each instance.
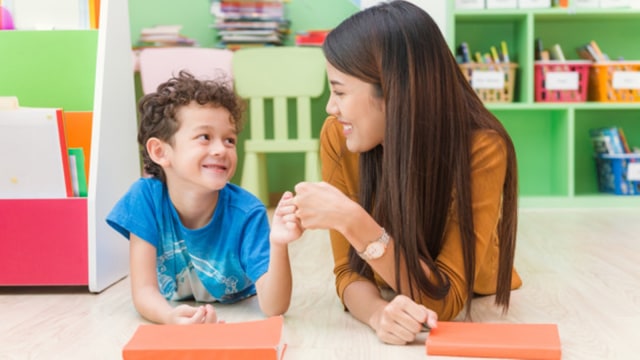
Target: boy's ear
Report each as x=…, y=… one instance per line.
x=157, y=151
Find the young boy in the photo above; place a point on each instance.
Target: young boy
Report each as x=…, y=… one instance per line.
x=192, y=234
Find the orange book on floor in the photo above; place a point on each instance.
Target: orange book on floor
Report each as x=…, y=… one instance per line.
x=250, y=340
x=497, y=340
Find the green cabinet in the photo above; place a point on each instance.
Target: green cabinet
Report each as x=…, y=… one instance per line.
x=555, y=156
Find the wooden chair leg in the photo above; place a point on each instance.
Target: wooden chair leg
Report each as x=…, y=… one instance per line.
x=312, y=166
x=254, y=176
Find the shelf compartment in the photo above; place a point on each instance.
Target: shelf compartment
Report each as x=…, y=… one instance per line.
x=586, y=182
x=540, y=139
x=512, y=29
x=553, y=30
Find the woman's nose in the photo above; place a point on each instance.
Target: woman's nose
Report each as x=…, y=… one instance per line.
x=331, y=107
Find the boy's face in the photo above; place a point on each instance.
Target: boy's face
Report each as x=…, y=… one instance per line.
x=203, y=154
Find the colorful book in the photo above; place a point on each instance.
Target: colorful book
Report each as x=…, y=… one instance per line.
x=78, y=173
x=77, y=126
x=607, y=140
x=250, y=340
x=497, y=340
x=35, y=163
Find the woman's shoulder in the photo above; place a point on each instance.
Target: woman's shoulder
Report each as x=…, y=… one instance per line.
x=488, y=149
x=487, y=140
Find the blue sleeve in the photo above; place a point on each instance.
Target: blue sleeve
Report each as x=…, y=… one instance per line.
x=135, y=213
x=254, y=252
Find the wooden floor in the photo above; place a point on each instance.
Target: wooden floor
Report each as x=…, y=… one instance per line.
x=581, y=270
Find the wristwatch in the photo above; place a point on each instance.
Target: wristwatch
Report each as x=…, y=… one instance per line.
x=376, y=248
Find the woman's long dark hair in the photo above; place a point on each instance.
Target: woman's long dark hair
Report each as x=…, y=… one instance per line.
x=424, y=169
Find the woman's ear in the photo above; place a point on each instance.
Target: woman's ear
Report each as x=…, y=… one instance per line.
x=157, y=150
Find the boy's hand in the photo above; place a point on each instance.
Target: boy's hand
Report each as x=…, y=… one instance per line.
x=186, y=314
x=285, y=226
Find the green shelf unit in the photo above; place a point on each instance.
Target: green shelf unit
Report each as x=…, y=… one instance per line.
x=546, y=171
x=555, y=155
x=49, y=68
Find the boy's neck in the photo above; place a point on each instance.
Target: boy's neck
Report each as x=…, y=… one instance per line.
x=195, y=209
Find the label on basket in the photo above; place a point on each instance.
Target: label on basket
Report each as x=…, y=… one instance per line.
x=626, y=80
x=633, y=171
x=561, y=80
x=487, y=79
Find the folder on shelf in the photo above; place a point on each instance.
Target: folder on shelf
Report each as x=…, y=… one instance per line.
x=77, y=125
x=250, y=340
x=497, y=340
x=94, y=14
x=35, y=162
x=78, y=173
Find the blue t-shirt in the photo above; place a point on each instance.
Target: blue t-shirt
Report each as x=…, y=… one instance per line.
x=218, y=262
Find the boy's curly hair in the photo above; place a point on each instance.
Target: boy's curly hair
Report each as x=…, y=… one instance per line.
x=158, y=110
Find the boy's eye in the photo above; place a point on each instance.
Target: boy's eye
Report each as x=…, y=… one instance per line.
x=231, y=141
x=203, y=137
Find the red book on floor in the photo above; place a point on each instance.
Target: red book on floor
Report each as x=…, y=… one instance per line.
x=498, y=340
x=250, y=340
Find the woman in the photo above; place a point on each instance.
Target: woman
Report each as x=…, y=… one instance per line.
x=420, y=180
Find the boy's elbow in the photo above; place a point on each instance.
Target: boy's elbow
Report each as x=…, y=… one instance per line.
x=275, y=309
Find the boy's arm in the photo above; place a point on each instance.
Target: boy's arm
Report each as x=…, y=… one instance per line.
x=145, y=292
x=275, y=286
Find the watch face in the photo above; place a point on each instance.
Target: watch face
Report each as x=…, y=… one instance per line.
x=375, y=250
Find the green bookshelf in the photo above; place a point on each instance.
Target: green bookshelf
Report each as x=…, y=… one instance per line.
x=555, y=156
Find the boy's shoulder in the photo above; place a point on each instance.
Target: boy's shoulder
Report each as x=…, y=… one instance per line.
x=147, y=185
x=241, y=199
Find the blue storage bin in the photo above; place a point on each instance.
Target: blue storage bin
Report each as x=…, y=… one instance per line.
x=618, y=174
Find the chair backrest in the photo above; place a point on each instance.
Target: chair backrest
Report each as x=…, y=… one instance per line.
x=157, y=65
x=279, y=73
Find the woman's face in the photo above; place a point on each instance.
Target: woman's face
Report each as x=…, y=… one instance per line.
x=358, y=108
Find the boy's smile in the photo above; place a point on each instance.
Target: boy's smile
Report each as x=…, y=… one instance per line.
x=202, y=154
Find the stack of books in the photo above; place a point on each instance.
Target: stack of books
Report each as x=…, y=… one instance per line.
x=163, y=36
x=591, y=51
x=609, y=140
x=250, y=23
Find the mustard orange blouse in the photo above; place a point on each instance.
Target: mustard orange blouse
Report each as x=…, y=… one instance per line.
x=340, y=168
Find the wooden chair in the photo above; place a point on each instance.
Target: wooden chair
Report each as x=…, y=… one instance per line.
x=157, y=65
x=278, y=74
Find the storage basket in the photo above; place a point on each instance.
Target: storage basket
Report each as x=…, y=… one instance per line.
x=615, y=81
x=561, y=81
x=492, y=82
x=619, y=174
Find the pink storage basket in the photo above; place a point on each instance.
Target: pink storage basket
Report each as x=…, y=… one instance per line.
x=546, y=93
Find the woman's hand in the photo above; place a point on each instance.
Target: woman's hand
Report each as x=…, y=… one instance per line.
x=322, y=206
x=401, y=320
x=187, y=314
x=285, y=226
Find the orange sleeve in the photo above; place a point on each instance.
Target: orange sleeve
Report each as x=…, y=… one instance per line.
x=340, y=169
x=488, y=169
